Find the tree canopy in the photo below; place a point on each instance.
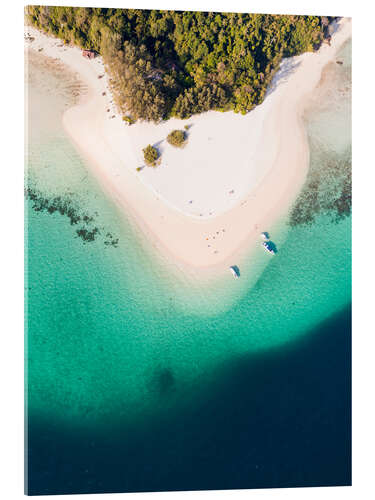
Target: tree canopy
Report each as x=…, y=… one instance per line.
x=173, y=63
x=177, y=138
x=150, y=155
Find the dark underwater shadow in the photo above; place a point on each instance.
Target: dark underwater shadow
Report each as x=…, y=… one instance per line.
x=281, y=418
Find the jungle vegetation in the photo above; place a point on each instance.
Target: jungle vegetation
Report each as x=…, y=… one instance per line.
x=173, y=63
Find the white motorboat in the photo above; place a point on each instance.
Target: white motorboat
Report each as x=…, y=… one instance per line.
x=268, y=247
x=235, y=271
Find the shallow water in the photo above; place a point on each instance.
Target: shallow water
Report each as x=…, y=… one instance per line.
x=119, y=344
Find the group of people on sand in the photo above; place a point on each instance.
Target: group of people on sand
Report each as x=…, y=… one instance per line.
x=214, y=237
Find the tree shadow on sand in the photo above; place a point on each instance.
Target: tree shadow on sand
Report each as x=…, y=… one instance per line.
x=159, y=146
x=287, y=67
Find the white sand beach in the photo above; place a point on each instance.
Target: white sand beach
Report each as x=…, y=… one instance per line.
x=237, y=175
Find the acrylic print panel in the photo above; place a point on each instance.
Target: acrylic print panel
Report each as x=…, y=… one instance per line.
x=188, y=250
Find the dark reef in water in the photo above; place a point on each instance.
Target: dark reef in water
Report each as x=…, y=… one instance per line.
x=326, y=191
x=65, y=206
x=165, y=381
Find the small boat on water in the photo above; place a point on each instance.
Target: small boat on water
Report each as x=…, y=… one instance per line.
x=268, y=247
x=235, y=271
x=265, y=235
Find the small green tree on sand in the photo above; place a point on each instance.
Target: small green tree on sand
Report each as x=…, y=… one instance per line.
x=128, y=119
x=150, y=155
x=177, y=138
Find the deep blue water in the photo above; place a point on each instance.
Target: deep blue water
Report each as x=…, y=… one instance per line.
x=280, y=419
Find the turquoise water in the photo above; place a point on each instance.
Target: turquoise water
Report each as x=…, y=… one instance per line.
x=113, y=335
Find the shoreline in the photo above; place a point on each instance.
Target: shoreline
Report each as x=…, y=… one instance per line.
x=112, y=150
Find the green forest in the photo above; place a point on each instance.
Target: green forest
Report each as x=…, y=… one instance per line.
x=172, y=63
